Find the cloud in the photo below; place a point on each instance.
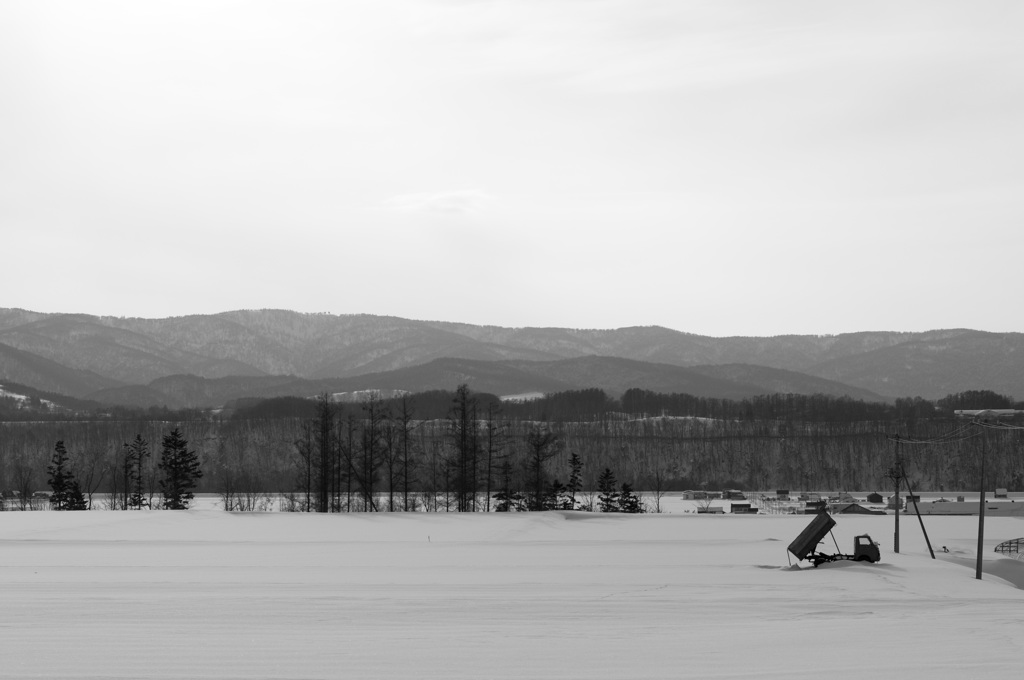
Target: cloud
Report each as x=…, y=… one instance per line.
x=459, y=202
x=624, y=46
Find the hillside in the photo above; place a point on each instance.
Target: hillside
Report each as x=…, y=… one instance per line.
x=249, y=352
x=26, y=368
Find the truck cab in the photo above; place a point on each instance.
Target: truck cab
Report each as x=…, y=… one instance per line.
x=865, y=550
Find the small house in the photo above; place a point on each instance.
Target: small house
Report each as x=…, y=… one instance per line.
x=875, y=498
x=814, y=507
x=742, y=509
x=853, y=509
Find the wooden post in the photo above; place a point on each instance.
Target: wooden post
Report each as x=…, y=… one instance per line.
x=981, y=506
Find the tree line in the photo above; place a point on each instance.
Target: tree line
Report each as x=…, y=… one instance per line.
x=465, y=451
x=471, y=460
x=179, y=470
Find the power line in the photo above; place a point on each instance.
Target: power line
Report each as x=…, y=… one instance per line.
x=956, y=435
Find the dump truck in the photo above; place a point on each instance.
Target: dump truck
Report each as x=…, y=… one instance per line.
x=805, y=546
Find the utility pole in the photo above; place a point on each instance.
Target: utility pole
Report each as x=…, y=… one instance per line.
x=981, y=418
x=896, y=505
x=912, y=498
x=981, y=507
x=894, y=473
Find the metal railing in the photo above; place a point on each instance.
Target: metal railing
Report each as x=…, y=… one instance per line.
x=1012, y=547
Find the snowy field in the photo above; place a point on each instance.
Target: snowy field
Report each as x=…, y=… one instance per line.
x=208, y=594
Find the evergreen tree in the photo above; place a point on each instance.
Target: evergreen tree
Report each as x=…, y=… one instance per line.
x=556, y=496
x=66, y=493
x=508, y=499
x=608, y=496
x=76, y=497
x=629, y=501
x=181, y=470
x=575, y=484
x=135, y=455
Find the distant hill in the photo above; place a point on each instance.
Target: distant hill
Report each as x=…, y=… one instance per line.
x=86, y=344
x=936, y=364
x=25, y=368
x=204, y=358
x=778, y=381
x=611, y=374
x=23, y=396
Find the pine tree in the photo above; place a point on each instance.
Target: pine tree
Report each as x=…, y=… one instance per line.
x=508, y=499
x=608, y=497
x=575, y=484
x=181, y=470
x=629, y=501
x=556, y=497
x=76, y=497
x=66, y=493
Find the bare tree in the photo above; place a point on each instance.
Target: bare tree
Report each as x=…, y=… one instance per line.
x=304, y=447
x=495, y=438
x=373, y=451
x=135, y=455
x=659, y=489
x=390, y=461
x=326, y=447
x=464, y=437
x=406, y=450
x=705, y=502
x=244, y=486
x=542, y=445
x=92, y=471
x=24, y=478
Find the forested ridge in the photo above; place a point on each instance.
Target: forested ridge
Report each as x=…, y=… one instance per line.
x=466, y=451
x=206, y=360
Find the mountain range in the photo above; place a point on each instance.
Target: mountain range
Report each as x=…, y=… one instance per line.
x=208, y=360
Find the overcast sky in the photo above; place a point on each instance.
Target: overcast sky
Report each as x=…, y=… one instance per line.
x=722, y=168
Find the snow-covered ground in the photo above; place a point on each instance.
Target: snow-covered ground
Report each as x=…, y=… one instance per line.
x=209, y=594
